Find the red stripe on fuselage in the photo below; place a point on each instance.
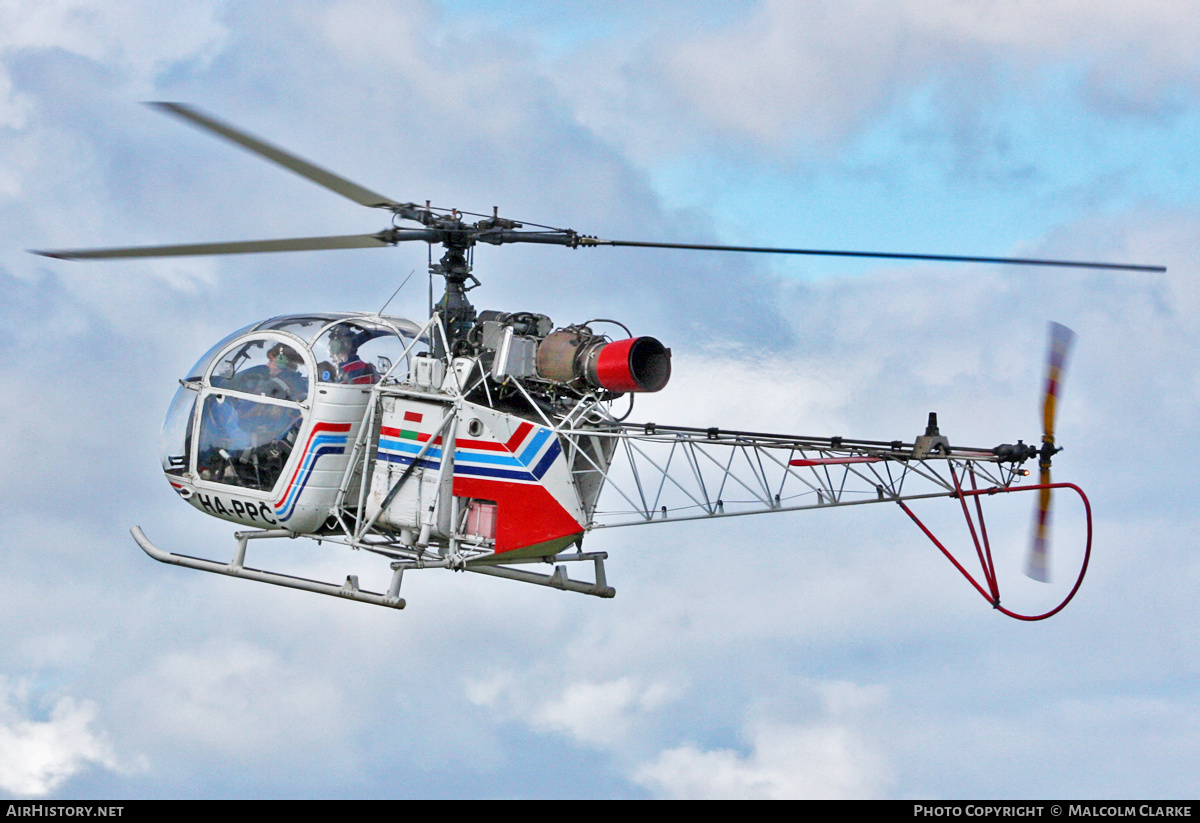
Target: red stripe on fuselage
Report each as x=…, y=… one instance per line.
x=337, y=428
x=527, y=514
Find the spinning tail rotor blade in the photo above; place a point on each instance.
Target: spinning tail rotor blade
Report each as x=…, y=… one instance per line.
x=1038, y=567
x=289, y=161
x=1061, y=339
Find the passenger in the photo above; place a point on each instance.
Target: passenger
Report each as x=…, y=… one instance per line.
x=343, y=348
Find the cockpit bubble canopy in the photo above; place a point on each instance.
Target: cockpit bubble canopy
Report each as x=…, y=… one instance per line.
x=249, y=395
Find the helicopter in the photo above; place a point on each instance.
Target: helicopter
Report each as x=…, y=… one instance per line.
x=486, y=441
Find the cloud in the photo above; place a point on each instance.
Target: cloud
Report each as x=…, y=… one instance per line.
x=769, y=77
x=830, y=759
x=601, y=714
x=141, y=38
x=791, y=76
x=237, y=699
x=37, y=757
x=788, y=762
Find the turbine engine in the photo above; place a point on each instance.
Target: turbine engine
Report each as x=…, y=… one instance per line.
x=525, y=346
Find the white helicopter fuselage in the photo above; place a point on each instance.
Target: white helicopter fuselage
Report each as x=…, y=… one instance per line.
x=490, y=450
x=404, y=451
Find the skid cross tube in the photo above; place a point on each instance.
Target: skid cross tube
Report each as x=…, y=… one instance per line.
x=983, y=549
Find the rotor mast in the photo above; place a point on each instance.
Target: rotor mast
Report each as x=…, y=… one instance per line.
x=455, y=309
x=458, y=237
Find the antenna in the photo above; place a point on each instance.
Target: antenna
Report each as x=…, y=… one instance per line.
x=397, y=291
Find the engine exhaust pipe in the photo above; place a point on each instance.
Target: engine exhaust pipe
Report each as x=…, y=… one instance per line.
x=636, y=364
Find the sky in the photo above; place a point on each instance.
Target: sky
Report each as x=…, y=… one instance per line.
x=826, y=654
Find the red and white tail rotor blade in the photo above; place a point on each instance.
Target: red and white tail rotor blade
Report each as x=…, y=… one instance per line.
x=1061, y=338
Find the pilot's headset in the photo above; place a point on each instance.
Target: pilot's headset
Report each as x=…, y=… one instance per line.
x=284, y=356
x=344, y=342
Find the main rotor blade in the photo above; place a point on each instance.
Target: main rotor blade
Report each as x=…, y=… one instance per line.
x=347, y=241
x=318, y=175
x=1017, y=261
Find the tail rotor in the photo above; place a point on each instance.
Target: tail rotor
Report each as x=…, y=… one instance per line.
x=1061, y=338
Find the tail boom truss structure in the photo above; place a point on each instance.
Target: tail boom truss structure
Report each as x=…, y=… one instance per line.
x=672, y=473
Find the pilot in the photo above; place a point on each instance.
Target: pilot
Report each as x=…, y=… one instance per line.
x=279, y=379
x=247, y=442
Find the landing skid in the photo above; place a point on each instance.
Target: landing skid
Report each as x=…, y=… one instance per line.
x=349, y=590
x=557, y=580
